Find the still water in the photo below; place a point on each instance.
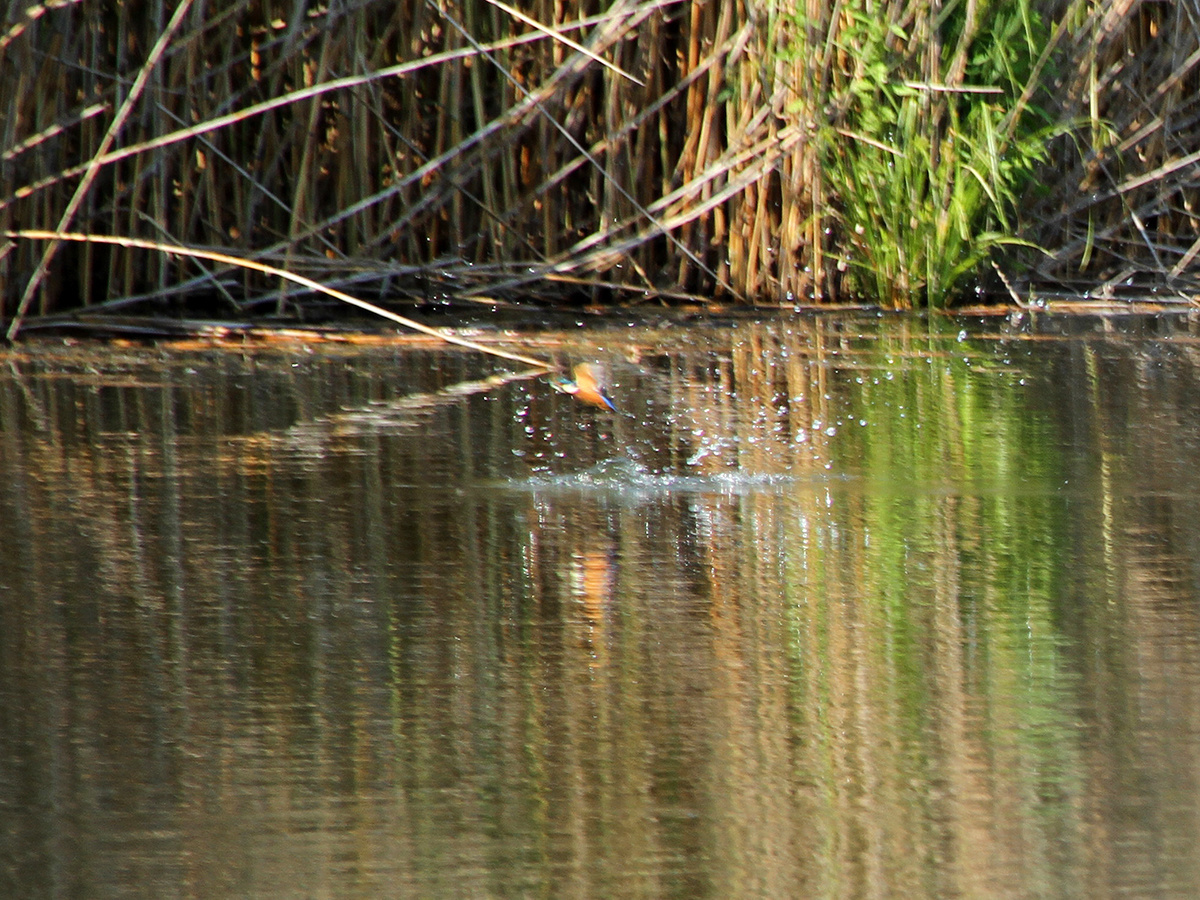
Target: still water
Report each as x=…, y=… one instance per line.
x=835, y=607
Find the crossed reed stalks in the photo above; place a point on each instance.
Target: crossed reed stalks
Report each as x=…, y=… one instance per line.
x=773, y=151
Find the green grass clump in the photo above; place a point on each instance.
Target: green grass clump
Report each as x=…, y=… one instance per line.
x=926, y=139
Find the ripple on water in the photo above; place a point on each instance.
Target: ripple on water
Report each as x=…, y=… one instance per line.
x=624, y=476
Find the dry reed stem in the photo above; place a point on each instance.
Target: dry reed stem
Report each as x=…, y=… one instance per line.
x=226, y=259
x=203, y=206
x=378, y=145
x=224, y=121
x=554, y=34
x=93, y=166
x=32, y=14
x=1137, y=85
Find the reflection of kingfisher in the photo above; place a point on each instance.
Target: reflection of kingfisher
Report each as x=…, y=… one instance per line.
x=587, y=386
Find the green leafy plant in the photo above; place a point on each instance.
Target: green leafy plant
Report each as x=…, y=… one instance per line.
x=929, y=140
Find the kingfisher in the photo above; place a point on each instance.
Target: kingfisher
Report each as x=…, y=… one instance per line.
x=586, y=386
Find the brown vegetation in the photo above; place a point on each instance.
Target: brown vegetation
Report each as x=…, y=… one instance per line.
x=605, y=150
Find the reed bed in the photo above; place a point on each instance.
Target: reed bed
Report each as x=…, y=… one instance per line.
x=772, y=151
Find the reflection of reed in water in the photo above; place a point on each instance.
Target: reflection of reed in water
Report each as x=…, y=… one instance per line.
x=750, y=402
x=749, y=405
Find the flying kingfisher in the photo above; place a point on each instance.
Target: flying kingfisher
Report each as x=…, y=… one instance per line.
x=586, y=386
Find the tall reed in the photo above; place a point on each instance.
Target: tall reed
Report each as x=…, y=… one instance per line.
x=607, y=150
x=1120, y=203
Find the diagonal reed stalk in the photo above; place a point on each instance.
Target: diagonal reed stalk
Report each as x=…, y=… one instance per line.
x=442, y=334
x=780, y=151
x=93, y=168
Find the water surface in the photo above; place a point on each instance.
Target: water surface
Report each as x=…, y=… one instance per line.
x=837, y=607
